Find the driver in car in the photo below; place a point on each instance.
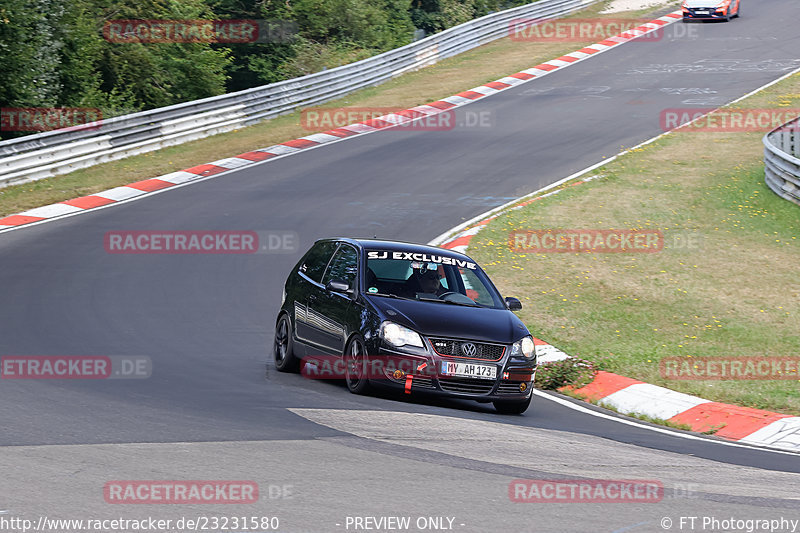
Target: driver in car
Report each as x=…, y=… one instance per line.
x=425, y=279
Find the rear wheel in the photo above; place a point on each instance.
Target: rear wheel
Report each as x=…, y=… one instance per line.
x=355, y=366
x=283, y=347
x=512, y=408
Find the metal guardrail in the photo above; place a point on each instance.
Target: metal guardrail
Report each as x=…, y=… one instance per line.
x=782, y=160
x=56, y=152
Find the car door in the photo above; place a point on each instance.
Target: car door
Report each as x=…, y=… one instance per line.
x=310, y=286
x=328, y=311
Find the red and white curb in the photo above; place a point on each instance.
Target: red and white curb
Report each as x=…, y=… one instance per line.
x=632, y=397
x=181, y=177
x=742, y=424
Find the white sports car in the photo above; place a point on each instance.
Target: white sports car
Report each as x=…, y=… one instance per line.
x=710, y=9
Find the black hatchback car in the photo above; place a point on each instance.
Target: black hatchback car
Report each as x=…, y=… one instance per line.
x=412, y=317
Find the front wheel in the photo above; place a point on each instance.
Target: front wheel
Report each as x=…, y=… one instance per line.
x=355, y=366
x=512, y=407
x=283, y=347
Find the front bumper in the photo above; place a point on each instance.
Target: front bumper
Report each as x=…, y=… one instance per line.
x=705, y=13
x=513, y=382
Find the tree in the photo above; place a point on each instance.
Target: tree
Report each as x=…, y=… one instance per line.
x=29, y=52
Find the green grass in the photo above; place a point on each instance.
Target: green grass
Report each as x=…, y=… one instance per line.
x=736, y=294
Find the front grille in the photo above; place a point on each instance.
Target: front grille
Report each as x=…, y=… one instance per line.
x=455, y=348
x=710, y=11
x=420, y=382
x=466, y=385
x=510, y=387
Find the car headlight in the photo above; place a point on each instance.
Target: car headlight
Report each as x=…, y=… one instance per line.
x=398, y=335
x=524, y=348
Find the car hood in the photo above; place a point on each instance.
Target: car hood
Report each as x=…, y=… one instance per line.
x=457, y=321
x=701, y=3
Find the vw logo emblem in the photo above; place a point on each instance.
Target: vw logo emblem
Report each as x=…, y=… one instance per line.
x=468, y=349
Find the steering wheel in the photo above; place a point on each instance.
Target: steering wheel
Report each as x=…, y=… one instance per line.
x=457, y=297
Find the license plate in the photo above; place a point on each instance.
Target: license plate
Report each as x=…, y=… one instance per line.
x=469, y=370
x=701, y=12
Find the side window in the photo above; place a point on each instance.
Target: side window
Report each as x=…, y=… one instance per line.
x=344, y=266
x=474, y=288
x=317, y=259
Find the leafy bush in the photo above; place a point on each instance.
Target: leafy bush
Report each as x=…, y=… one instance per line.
x=572, y=372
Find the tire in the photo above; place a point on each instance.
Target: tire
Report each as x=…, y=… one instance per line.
x=355, y=366
x=283, y=347
x=512, y=408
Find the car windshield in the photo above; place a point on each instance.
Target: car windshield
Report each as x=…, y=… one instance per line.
x=429, y=277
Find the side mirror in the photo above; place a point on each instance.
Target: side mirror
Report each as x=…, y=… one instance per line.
x=337, y=285
x=513, y=304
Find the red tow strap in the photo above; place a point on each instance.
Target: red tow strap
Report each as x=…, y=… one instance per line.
x=410, y=378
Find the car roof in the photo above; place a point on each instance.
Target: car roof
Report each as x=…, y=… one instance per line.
x=399, y=246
